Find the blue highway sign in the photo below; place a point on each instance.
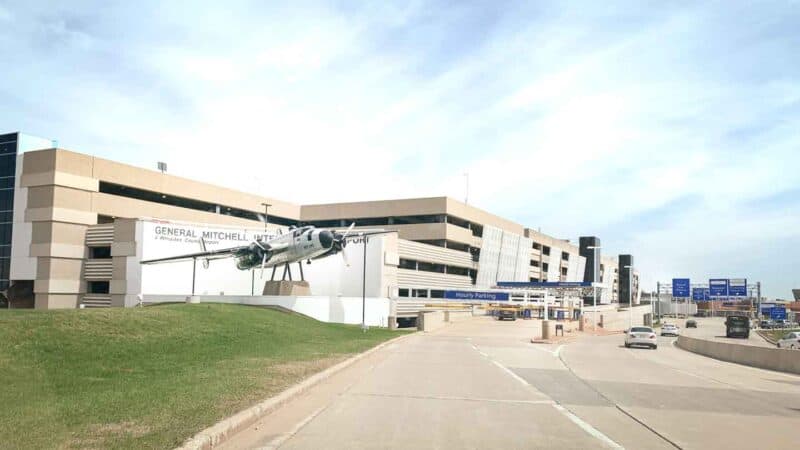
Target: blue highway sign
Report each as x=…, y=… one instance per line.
x=681, y=288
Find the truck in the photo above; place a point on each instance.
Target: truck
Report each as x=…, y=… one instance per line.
x=737, y=327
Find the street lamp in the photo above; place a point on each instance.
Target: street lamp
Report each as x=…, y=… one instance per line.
x=266, y=217
x=630, y=296
x=595, y=263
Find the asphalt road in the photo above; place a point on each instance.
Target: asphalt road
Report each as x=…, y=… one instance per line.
x=482, y=384
x=713, y=328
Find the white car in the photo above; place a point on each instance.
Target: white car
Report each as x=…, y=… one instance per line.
x=669, y=329
x=790, y=340
x=645, y=336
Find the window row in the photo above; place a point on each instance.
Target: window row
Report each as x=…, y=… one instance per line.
x=182, y=202
x=411, y=264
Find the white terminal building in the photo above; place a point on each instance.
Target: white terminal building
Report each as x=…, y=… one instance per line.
x=76, y=227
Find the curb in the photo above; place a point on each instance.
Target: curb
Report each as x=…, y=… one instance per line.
x=220, y=431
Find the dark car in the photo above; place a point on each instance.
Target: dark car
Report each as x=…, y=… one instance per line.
x=503, y=314
x=765, y=324
x=691, y=323
x=737, y=327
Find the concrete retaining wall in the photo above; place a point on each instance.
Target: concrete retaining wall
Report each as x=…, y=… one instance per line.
x=457, y=316
x=765, y=358
x=430, y=320
x=613, y=320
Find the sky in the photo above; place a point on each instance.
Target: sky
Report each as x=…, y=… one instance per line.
x=671, y=130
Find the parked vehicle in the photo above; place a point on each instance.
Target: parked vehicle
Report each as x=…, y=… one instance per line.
x=782, y=323
x=669, y=329
x=790, y=340
x=765, y=324
x=644, y=336
x=737, y=327
x=507, y=314
x=691, y=323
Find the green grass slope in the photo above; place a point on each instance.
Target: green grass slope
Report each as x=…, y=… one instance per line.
x=151, y=377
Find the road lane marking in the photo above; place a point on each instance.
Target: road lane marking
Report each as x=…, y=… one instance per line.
x=511, y=372
x=594, y=432
x=587, y=428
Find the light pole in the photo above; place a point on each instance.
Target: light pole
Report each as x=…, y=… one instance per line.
x=364, y=290
x=595, y=263
x=266, y=217
x=630, y=296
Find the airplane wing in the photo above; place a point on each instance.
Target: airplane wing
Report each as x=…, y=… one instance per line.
x=209, y=255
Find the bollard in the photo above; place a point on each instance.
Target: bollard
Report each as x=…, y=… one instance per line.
x=545, y=329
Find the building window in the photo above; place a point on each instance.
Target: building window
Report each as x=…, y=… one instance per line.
x=182, y=202
x=430, y=267
x=437, y=293
x=537, y=246
x=407, y=264
x=98, y=287
x=545, y=267
x=564, y=271
x=565, y=256
x=546, y=250
x=454, y=270
x=419, y=293
x=100, y=252
x=402, y=293
x=534, y=263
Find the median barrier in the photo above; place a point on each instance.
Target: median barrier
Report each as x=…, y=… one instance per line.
x=781, y=360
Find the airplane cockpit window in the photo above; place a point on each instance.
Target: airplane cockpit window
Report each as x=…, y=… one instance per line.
x=310, y=235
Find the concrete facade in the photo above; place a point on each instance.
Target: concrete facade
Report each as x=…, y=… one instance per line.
x=74, y=231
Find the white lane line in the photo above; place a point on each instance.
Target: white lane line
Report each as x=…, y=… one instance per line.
x=479, y=351
x=594, y=432
x=558, y=351
x=587, y=428
x=510, y=372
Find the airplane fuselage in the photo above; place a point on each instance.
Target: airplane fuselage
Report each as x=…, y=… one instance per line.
x=300, y=244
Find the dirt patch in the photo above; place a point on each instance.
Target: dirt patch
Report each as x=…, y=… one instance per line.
x=97, y=436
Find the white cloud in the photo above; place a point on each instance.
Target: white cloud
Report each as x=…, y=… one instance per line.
x=566, y=119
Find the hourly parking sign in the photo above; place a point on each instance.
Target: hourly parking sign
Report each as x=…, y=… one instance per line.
x=680, y=287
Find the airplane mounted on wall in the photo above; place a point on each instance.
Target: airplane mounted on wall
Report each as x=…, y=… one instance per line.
x=299, y=244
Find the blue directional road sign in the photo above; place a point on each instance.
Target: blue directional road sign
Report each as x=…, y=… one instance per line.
x=681, y=288
x=737, y=287
x=700, y=294
x=718, y=287
x=777, y=313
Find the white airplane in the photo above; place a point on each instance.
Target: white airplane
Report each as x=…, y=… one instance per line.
x=304, y=243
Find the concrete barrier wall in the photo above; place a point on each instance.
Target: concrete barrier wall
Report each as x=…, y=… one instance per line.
x=457, y=316
x=430, y=320
x=617, y=320
x=762, y=357
x=326, y=309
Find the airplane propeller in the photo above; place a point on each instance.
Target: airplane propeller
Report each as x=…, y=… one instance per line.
x=340, y=243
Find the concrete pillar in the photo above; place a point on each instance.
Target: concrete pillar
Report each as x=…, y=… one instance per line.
x=545, y=329
x=392, y=322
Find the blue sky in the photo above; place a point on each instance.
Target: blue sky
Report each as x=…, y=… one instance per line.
x=669, y=129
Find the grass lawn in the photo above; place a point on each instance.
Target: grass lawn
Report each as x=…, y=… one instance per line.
x=151, y=377
x=780, y=333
